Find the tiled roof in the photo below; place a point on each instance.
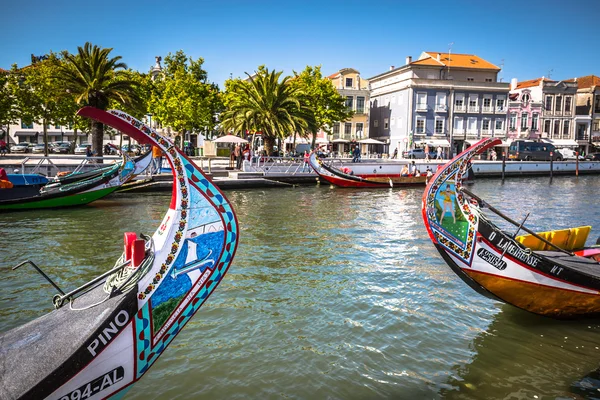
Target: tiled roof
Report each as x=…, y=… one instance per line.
x=531, y=83
x=585, y=82
x=454, y=60
x=333, y=76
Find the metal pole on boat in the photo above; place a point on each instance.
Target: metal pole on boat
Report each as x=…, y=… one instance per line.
x=576, y=163
x=551, y=164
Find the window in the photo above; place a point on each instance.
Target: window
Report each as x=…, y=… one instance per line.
x=459, y=100
x=568, y=104
x=487, y=103
x=348, y=82
x=56, y=126
x=534, y=122
x=440, y=101
x=524, y=121
x=472, y=124
x=420, y=125
x=558, y=104
x=488, y=80
x=359, y=129
x=347, y=128
x=547, y=127
x=485, y=125
x=25, y=125
x=525, y=98
x=349, y=101
x=376, y=123
x=336, y=128
x=439, y=126
x=360, y=104
x=549, y=103
x=470, y=79
x=499, y=124
x=556, y=128
x=597, y=104
x=513, y=122
x=566, y=128
x=386, y=123
x=421, y=101
x=472, y=101
x=459, y=124
x=500, y=103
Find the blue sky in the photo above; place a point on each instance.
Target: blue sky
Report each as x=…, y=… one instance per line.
x=531, y=38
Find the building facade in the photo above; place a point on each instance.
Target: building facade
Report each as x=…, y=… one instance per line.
x=446, y=100
x=355, y=90
x=34, y=133
x=587, y=111
x=543, y=109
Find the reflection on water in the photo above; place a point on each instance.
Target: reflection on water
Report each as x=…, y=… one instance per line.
x=333, y=294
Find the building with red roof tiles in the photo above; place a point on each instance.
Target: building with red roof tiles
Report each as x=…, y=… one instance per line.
x=542, y=108
x=446, y=100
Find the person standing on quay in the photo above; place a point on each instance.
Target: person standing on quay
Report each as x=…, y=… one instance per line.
x=237, y=153
x=439, y=153
x=157, y=155
x=426, y=152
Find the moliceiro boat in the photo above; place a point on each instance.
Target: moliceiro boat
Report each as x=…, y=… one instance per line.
x=358, y=176
x=73, y=189
x=548, y=273
x=105, y=335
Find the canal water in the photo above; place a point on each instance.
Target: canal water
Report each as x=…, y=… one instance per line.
x=333, y=293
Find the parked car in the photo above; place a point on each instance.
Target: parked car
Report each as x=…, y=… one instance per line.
x=62, y=148
x=81, y=148
x=417, y=152
x=593, y=157
x=529, y=150
x=38, y=148
x=569, y=154
x=22, y=147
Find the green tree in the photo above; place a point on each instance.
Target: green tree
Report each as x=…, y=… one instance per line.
x=96, y=79
x=8, y=103
x=182, y=99
x=327, y=104
x=39, y=96
x=268, y=105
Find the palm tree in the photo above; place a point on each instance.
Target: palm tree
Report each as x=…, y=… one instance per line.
x=269, y=106
x=96, y=80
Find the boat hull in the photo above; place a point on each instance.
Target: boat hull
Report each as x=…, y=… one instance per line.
x=545, y=280
x=73, y=200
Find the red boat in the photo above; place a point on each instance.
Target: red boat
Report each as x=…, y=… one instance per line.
x=345, y=177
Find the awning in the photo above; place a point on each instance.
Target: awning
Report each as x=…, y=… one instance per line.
x=25, y=133
x=505, y=143
x=340, y=141
x=564, y=143
x=435, y=142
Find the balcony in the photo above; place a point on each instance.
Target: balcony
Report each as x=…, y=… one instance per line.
x=472, y=133
x=459, y=130
x=501, y=133
x=537, y=104
x=500, y=110
x=488, y=109
x=486, y=133
x=441, y=108
x=460, y=109
x=359, y=111
x=421, y=107
x=583, y=137
x=473, y=109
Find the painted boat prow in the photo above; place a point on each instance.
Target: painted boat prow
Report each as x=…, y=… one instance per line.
x=100, y=343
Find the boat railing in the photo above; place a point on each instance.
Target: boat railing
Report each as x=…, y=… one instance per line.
x=278, y=165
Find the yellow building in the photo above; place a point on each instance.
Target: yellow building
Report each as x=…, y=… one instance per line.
x=355, y=89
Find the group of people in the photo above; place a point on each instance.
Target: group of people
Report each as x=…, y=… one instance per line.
x=239, y=154
x=412, y=170
x=438, y=152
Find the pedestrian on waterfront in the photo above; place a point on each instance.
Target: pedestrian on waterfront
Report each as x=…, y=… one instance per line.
x=356, y=154
x=426, y=152
x=395, y=153
x=157, y=156
x=3, y=147
x=305, y=165
x=246, y=153
x=237, y=154
x=439, y=153
x=412, y=169
x=88, y=152
x=448, y=203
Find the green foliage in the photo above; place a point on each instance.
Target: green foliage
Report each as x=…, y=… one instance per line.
x=96, y=79
x=181, y=98
x=266, y=104
x=8, y=102
x=325, y=101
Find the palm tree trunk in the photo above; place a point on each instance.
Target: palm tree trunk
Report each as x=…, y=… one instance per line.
x=97, y=138
x=45, y=137
x=269, y=142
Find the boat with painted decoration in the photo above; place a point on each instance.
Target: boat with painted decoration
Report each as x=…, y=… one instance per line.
x=355, y=176
x=549, y=273
x=105, y=335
